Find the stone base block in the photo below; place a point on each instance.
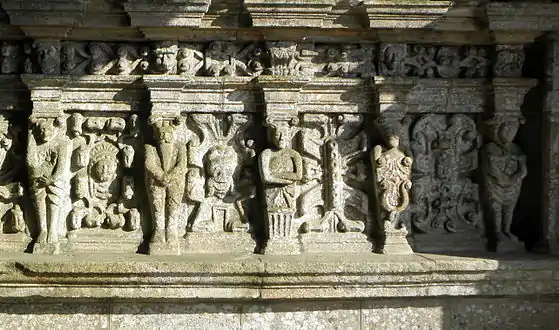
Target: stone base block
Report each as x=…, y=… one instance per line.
x=459, y=242
x=14, y=242
x=164, y=249
x=222, y=242
x=396, y=242
x=335, y=243
x=284, y=246
x=51, y=248
x=104, y=240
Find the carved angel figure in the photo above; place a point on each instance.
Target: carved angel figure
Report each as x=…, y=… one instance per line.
x=281, y=169
x=393, y=176
x=48, y=162
x=504, y=168
x=166, y=167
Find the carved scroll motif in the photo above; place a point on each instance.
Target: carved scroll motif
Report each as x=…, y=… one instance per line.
x=224, y=174
x=445, y=149
x=332, y=196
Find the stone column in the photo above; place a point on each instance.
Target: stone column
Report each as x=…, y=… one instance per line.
x=550, y=184
x=281, y=192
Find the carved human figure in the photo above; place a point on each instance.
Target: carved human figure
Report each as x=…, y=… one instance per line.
x=101, y=54
x=504, y=168
x=10, y=161
x=166, y=167
x=281, y=168
x=166, y=58
x=49, y=57
x=48, y=162
x=127, y=58
x=393, y=177
x=10, y=61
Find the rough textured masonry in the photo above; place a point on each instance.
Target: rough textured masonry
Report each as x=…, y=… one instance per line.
x=270, y=164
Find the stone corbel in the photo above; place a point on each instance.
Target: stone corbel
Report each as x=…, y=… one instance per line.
x=174, y=95
x=183, y=13
x=416, y=14
x=522, y=16
x=431, y=95
x=277, y=13
x=47, y=18
x=509, y=93
x=281, y=94
x=56, y=94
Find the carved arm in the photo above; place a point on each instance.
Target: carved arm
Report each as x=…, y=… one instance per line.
x=63, y=161
x=153, y=166
x=181, y=166
x=267, y=176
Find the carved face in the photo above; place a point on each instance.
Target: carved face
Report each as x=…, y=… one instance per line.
x=104, y=170
x=393, y=141
x=164, y=134
x=46, y=130
x=166, y=59
x=281, y=136
x=122, y=52
x=508, y=131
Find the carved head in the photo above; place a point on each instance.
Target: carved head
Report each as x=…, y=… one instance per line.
x=166, y=57
x=280, y=130
x=164, y=129
x=504, y=127
x=221, y=164
x=104, y=169
x=5, y=136
x=8, y=50
x=76, y=122
x=46, y=128
x=393, y=141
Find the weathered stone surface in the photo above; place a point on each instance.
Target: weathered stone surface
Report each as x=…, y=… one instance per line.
x=183, y=316
x=301, y=315
x=55, y=315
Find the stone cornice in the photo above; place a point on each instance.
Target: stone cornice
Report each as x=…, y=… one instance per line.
x=510, y=92
x=187, y=13
x=176, y=94
x=417, y=95
x=55, y=94
x=237, y=277
x=522, y=16
x=390, y=14
x=299, y=13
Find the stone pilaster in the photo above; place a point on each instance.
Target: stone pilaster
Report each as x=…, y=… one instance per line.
x=550, y=146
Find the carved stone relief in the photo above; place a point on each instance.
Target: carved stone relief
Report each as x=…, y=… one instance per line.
x=103, y=187
x=166, y=165
x=48, y=164
x=12, y=198
x=433, y=61
x=444, y=197
x=504, y=168
x=281, y=171
x=333, y=196
x=226, y=185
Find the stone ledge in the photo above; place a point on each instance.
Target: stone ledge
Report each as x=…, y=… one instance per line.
x=242, y=277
